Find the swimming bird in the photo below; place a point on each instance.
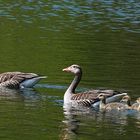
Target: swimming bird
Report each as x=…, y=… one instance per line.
x=126, y=100
x=120, y=106
x=88, y=98
x=136, y=106
x=19, y=80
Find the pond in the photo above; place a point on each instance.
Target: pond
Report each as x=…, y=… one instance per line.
x=43, y=36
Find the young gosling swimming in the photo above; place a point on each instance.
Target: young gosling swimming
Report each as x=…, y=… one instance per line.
x=112, y=106
x=126, y=100
x=136, y=106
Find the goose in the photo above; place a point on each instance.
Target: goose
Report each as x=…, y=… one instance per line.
x=119, y=106
x=136, y=106
x=88, y=98
x=17, y=80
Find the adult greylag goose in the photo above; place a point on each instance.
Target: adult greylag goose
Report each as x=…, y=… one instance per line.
x=88, y=98
x=119, y=106
x=19, y=80
x=136, y=106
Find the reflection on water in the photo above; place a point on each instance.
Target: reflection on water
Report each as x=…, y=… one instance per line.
x=69, y=128
x=94, y=123
x=26, y=113
x=86, y=123
x=50, y=86
x=6, y=93
x=28, y=96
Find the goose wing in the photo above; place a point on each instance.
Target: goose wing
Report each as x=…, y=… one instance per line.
x=13, y=79
x=90, y=97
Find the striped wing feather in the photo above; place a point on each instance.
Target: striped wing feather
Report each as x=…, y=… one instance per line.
x=90, y=97
x=13, y=79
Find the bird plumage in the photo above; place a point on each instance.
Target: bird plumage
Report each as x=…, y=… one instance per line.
x=136, y=106
x=87, y=98
x=16, y=79
x=120, y=106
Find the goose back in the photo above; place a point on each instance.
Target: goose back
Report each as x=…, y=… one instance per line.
x=90, y=97
x=13, y=79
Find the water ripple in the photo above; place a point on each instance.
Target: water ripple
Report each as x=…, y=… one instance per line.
x=119, y=15
x=50, y=86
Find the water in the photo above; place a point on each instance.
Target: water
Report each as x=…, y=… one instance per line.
x=44, y=37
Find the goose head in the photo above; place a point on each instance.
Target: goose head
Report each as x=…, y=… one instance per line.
x=75, y=69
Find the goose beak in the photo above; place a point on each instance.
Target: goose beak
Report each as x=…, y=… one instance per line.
x=66, y=69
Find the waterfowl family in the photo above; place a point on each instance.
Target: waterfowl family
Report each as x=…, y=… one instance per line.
x=19, y=79
x=136, y=106
x=120, y=106
x=88, y=98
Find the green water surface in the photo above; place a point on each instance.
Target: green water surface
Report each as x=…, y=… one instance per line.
x=44, y=36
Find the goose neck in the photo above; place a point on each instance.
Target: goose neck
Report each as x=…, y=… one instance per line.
x=74, y=83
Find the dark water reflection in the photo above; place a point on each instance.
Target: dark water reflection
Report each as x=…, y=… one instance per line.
x=30, y=96
x=44, y=36
x=27, y=111
x=102, y=125
x=76, y=124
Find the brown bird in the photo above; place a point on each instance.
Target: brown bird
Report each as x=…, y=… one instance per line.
x=126, y=100
x=88, y=98
x=19, y=80
x=120, y=106
x=136, y=106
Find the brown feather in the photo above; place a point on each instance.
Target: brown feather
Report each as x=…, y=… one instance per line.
x=13, y=79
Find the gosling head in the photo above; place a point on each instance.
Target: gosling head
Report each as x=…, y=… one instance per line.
x=101, y=96
x=75, y=69
x=138, y=100
x=126, y=99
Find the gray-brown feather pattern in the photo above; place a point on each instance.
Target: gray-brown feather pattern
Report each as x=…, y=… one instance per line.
x=90, y=97
x=13, y=79
x=116, y=105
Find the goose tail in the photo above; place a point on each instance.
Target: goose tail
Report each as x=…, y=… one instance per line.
x=42, y=77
